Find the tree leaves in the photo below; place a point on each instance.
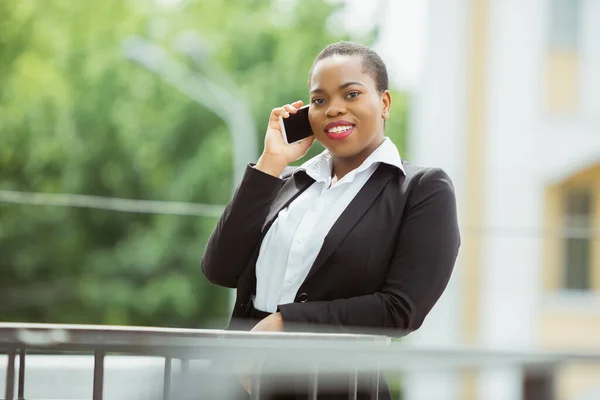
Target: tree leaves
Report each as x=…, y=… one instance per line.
x=76, y=116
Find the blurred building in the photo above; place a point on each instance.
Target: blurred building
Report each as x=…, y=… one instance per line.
x=509, y=105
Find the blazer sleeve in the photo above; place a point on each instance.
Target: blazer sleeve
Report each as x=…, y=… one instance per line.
x=425, y=251
x=238, y=230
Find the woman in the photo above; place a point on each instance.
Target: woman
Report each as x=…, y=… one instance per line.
x=356, y=239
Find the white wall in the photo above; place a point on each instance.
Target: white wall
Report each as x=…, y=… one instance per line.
x=525, y=149
x=571, y=143
x=513, y=188
x=590, y=48
x=437, y=138
x=568, y=145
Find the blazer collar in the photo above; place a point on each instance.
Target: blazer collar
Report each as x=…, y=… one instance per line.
x=300, y=181
x=353, y=213
x=291, y=189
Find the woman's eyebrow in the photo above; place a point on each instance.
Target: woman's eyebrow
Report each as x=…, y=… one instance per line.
x=342, y=86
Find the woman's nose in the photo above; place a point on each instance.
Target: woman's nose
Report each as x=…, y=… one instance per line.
x=335, y=109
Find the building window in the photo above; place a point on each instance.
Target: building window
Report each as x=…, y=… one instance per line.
x=563, y=60
x=538, y=385
x=565, y=24
x=577, y=223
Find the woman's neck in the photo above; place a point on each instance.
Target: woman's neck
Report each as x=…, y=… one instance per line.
x=343, y=165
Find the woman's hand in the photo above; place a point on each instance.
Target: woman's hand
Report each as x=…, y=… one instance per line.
x=277, y=154
x=271, y=323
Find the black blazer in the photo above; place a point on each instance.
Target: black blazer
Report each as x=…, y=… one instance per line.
x=383, y=265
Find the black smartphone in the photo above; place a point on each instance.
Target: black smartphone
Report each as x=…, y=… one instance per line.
x=296, y=127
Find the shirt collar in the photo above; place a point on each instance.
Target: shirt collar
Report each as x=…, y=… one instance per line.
x=319, y=167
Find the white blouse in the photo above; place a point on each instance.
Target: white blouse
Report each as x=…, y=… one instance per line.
x=294, y=240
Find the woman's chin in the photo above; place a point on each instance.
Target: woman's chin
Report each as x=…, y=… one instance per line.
x=340, y=150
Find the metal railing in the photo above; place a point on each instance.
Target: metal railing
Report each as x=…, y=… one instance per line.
x=287, y=354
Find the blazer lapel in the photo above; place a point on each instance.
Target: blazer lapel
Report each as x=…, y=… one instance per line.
x=291, y=189
x=351, y=215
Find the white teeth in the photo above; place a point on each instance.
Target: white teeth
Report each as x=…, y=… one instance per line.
x=339, y=129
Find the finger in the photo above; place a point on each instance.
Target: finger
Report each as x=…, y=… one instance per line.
x=298, y=103
x=280, y=112
x=290, y=108
x=274, y=124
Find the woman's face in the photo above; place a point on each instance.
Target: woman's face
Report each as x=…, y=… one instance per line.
x=346, y=110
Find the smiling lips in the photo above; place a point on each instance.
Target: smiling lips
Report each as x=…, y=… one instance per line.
x=339, y=130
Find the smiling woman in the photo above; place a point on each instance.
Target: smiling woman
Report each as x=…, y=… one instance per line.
x=350, y=101
x=354, y=240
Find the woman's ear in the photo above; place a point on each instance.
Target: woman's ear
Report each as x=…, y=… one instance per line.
x=386, y=100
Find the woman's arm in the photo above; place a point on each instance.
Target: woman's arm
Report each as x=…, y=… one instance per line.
x=238, y=231
x=424, y=257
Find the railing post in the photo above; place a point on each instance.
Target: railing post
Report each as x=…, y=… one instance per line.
x=313, y=383
x=255, y=394
x=375, y=384
x=184, y=389
x=10, y=375
x=167, y=379
x=21, y=389
x=98, y=374
x=354, y=385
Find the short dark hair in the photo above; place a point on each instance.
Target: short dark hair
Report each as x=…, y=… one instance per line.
x=372, y=63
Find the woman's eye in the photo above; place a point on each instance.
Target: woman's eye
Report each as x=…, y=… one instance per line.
x=318, y=101
x=352, y=95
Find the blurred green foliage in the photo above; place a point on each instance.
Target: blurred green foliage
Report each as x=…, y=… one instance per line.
x=77, y=117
